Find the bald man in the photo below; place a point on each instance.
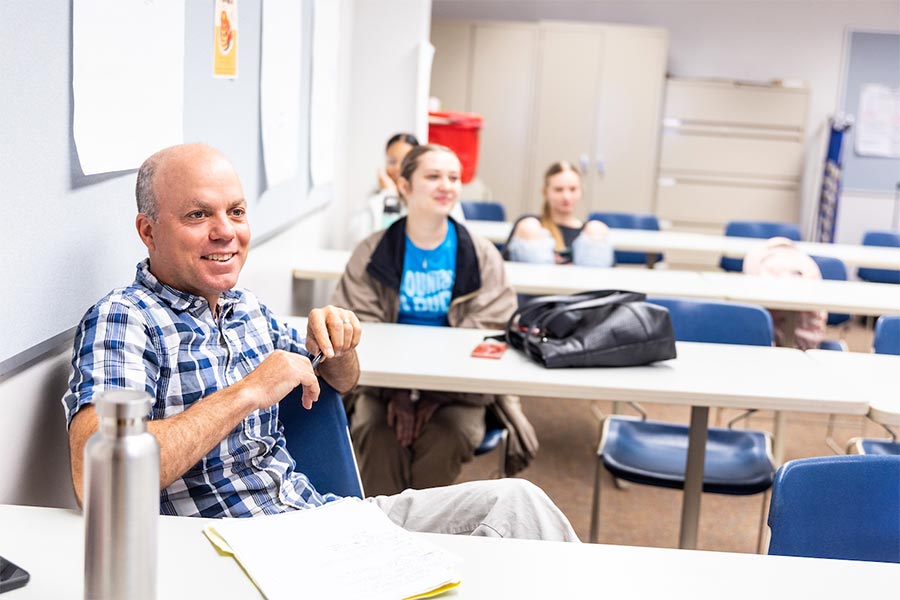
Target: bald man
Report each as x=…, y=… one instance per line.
x=217, y=363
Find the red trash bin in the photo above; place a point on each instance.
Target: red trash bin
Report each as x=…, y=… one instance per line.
x=459, y=132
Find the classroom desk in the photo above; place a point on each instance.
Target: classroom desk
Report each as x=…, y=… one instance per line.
x=638, y=240
x=854, y=297
x=874, y=376
x=49, y=544
x=703, y=375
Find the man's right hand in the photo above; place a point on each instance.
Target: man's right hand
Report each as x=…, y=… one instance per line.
x=280, y=373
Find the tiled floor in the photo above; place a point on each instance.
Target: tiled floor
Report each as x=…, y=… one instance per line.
x=649, y=516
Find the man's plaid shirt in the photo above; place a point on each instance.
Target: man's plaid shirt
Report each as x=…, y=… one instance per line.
x=149, y=336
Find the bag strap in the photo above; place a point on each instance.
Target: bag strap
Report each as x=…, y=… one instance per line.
x=515, y=337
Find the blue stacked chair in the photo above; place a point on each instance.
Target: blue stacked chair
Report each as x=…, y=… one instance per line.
x=844, y=507
x=889, y=239
x=756, y=229
x=738, y=462
x=619, y=220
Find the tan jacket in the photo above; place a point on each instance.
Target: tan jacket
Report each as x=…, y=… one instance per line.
x=482, y=298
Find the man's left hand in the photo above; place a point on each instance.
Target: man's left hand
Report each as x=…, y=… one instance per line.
x=335, y=331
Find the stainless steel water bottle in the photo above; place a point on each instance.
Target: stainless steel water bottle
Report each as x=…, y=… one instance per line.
x=121, y=500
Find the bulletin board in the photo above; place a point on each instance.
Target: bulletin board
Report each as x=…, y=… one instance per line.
x=873, y=59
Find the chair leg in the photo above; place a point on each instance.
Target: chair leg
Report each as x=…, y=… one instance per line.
x=762, y=539
x=595, y=504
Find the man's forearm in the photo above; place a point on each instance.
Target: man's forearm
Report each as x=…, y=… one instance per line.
x=187, y=437
x=183, y=439
x=341, y=373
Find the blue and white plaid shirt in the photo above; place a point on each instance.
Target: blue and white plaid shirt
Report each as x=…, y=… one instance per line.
x=149, y=336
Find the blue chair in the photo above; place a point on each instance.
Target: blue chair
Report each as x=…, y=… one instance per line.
x=887, y=335
x=319, y=441
x=889, y=239
x=495, y=437
x=756, y=229
x=738, y=462
x=834, y=269
x=845, y=507
x=887, y=341
x=630, y=221
x=483, y=211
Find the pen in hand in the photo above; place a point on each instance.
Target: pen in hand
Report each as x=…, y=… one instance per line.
x=317, y=359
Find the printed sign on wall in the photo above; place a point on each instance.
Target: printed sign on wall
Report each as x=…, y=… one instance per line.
x=226, y=34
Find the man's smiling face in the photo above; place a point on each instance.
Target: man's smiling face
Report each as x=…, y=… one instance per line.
x=199, y=242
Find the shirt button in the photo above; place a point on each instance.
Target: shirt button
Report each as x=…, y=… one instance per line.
x=197, y=303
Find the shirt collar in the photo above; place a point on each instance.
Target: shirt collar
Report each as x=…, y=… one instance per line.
x=177, y=299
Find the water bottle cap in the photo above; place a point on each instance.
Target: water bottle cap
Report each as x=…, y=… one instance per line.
x=123, y=404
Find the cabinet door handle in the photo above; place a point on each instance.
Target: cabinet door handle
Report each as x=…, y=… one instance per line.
x=601, y=164
x=584, y=162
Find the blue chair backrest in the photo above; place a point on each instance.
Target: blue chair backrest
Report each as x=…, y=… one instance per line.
x=887, y=335
x=483, y=211
x=845, y=507
x=833, y=268
x=619, y=220
x=319, y=441
x=880, y=238
x=756, y=229
x=718, y=322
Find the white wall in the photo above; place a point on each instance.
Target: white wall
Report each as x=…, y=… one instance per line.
x=386, y=35
x=376, y=96
x=734, y=39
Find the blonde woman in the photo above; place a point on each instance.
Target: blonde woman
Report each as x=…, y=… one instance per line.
x=558, y=235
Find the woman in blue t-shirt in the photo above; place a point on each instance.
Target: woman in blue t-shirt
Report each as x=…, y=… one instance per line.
x=558, y=235
x=425, y=269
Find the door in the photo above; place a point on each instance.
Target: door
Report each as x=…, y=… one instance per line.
x=566, y=104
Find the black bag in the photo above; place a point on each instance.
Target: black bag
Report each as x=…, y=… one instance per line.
x=605, y=328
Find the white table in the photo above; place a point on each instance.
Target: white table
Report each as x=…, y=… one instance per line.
x=48, y=543
x=637, y=240
x=703, y=375
x=876, y=377
x=854, y=297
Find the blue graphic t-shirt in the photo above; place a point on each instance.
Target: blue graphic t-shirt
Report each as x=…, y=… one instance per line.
x=427, y=283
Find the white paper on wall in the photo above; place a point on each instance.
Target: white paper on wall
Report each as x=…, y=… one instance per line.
x=878, y=122
x=323, y=109
x=280, y=84
x=127, y=80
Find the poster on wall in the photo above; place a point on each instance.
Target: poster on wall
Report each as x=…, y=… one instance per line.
x=280, y=84
x=323, y=95
x=127, y=81
x=226, y=39
x=878, y=122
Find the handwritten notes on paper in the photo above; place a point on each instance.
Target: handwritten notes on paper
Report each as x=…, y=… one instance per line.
x=343, y=549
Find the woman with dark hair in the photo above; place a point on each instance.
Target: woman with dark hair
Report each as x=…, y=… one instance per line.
x=387, y=205
x=558, y=235
x=425, y=269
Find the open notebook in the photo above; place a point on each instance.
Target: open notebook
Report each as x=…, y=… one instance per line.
x=343, y=549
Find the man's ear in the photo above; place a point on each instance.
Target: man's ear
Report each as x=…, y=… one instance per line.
x=144, y=226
